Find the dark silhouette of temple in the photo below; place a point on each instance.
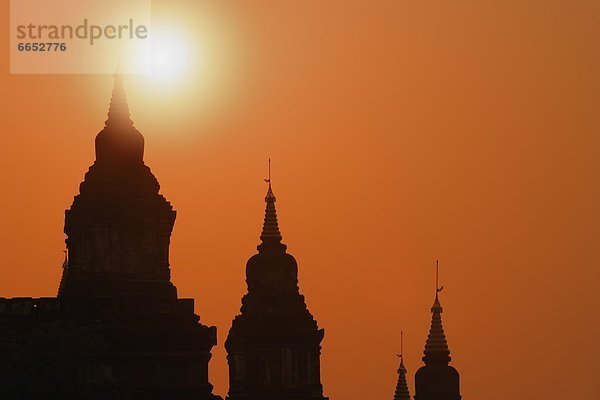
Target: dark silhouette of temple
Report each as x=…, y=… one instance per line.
x=116, y=279
x=402, y=392
x=273, y=347
x=118, y=233
x=118, y=331
x=436, y=380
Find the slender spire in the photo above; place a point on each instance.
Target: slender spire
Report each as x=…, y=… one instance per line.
x=270, y=236
x=401, y=355
x=438, y=288
x=118, y=111
x=402, y=392
x=119, y=142
x=436, y=347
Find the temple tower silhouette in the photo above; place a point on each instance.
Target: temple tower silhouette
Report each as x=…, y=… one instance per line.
x=273, y=347
x=117, y=274
x=402, y=392
x=437, y=380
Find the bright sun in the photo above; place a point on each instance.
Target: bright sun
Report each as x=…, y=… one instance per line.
x=183, y=72
x=166, y=58
x=169, y=59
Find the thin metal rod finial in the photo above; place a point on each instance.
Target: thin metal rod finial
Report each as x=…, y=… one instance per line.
x=268, y=180
x=401, y=344
x=438, y=288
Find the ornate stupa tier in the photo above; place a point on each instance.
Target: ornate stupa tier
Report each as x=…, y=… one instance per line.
x=124, y=195
x=270, y=236
x=402, y=392
x=436, y=346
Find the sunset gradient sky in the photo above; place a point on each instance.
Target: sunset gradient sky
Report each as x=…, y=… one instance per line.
x=400, y=132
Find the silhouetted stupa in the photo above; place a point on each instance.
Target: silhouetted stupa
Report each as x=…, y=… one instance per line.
x=116, y=284
x=273, y=347
x=402, y=392
x=437, y=380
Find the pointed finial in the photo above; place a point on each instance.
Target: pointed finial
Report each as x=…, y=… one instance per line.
x=270, y=236
x=438, y=288
x=401, y=355
x=118, y=111
x=268, y=180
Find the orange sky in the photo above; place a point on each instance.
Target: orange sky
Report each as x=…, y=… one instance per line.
x=400, y=132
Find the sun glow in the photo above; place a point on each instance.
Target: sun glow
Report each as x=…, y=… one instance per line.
x=184, y=76
x=169, y=57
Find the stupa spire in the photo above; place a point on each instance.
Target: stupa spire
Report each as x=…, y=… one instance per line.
x=118, y=111
x=270, y=236
x=436, y=347
x=402, y=392
x=274, y=344
x=119, y=142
